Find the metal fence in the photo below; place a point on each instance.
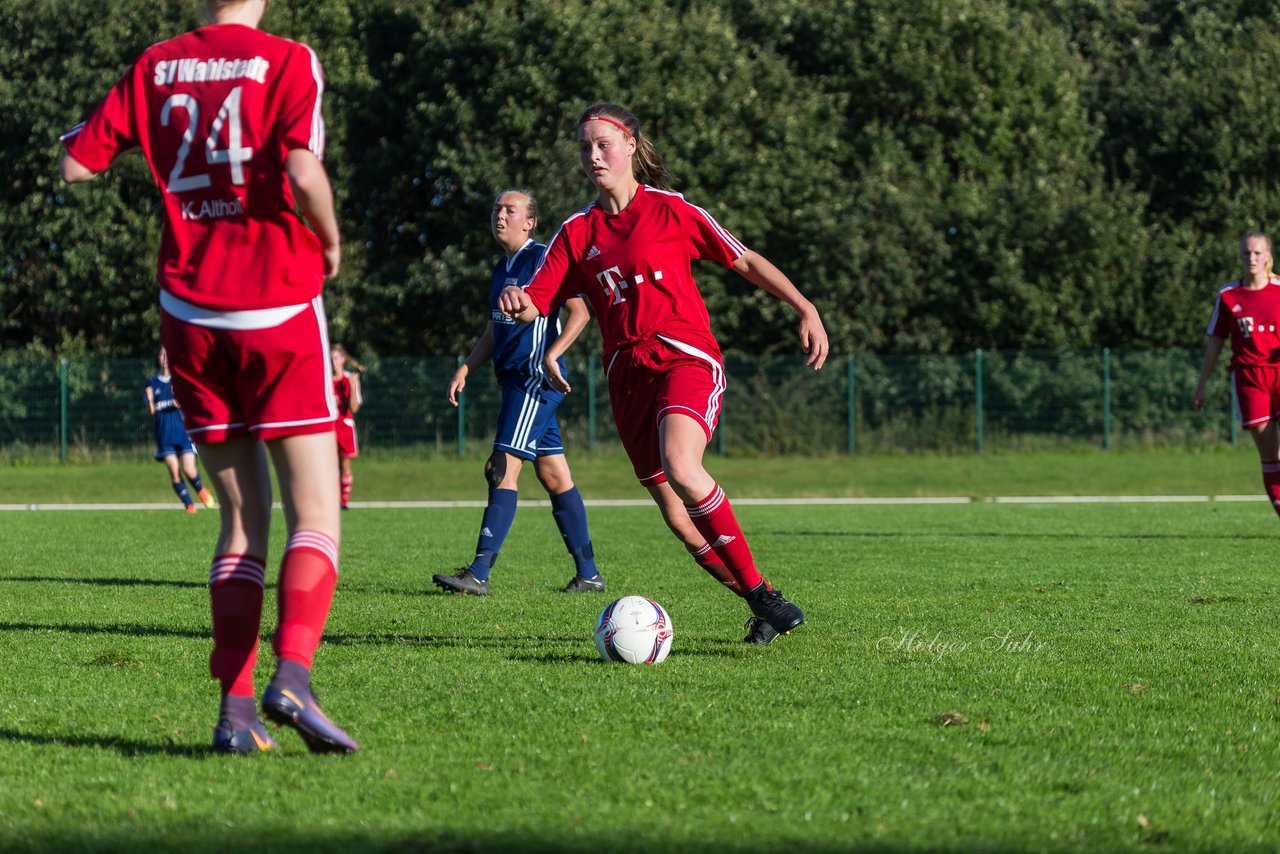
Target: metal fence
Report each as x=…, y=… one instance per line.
x=773, y=406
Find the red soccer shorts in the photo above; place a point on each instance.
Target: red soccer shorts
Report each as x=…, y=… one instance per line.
x=346, y=434
x=265, y=382
x=655, y=379
x=1258, y=393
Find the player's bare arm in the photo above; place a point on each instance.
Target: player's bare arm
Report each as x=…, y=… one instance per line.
x=73, y=171
x=1212, y=350
x=761, y=272
x=356, y=399
x=315, y=196
x=479, y=354
x=579, y=317
x=515, y=304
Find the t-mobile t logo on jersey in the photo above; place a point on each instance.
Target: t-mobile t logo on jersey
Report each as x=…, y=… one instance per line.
x=1246, y=326
x=613, y=282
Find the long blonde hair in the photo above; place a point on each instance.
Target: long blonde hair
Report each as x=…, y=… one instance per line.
x=646, y=164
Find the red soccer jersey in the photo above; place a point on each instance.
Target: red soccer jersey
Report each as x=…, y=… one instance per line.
x=635, y=268
x=1250, y=319
x=215, y=112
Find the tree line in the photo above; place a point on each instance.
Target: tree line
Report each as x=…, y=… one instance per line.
x=937, y=176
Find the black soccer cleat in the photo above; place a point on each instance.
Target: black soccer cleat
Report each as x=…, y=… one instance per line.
x=578, y=584
x=300, y=711
x=774, y=609
x=758, y=631
x=462, y=581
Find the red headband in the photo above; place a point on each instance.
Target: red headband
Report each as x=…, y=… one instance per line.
x=619, y=125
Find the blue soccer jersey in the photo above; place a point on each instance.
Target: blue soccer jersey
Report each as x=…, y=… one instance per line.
x=171, y=433
x=519, y=348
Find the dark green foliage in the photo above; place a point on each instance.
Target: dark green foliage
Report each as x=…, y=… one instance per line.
x=938, y=176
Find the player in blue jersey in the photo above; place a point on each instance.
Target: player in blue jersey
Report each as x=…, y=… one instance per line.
x=527, y=428
x=173, y=445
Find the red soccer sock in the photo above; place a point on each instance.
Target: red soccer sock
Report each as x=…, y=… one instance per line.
x=710, y=561
x=345, y=481
x=235, y=597
x=308, y=575
x=1271, y=483
x=713, y=517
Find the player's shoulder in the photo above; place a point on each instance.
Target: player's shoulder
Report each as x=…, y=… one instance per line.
x=1233, y=285
x=659, y=196
x=671, y=200
x=580, y=215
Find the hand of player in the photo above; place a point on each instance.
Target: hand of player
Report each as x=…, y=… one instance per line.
x=1197, y=400
x=458, y=384
x=332, y=260
x=513, y=301
x=554, y=376
x=813, y=339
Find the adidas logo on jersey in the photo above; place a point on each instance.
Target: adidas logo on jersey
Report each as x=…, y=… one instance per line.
x=722, y=540
x=593, y=252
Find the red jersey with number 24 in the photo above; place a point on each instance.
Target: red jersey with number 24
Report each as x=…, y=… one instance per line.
x=215, y=112
x=635, y=267
x=1251, y=319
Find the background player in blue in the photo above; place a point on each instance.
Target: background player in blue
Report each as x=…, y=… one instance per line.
x=527, y=426
x=173, y=445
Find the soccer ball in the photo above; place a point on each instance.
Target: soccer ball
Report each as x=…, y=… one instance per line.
x=634, y=629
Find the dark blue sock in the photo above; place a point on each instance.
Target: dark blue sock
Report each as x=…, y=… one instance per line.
x=197, y=483
x=571, y=517
x=291, y=676
x=494, y=527
x=181, y=489
x=239, y=712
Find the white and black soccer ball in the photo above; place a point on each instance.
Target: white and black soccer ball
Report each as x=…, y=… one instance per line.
x=634, y=629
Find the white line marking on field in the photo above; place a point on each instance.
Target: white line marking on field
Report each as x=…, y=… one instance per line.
x=761, y=502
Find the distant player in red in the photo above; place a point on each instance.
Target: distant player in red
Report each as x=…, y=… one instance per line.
x=1247, y=312
x=347, y=399
x=229, y=120
x=631, y=252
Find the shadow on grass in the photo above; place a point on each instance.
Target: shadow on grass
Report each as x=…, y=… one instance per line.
x=123, y=746
x=436, y=840
x=576, y=657
x=1017, y=535
x=115, y=629
x=104, y=582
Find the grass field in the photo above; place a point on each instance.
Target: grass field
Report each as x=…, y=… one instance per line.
x=396, y=477
x=971, y=677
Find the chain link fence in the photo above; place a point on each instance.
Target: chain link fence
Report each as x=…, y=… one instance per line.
x=773, y=406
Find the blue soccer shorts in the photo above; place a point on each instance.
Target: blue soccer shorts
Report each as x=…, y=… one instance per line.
x=527, y=425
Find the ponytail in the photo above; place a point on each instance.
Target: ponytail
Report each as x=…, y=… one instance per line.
x=346, y=358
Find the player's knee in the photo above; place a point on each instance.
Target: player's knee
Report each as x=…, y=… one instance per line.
x=495, y=469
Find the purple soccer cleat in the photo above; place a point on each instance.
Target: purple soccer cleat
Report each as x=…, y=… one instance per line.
x=298, y=709
x=250, y=739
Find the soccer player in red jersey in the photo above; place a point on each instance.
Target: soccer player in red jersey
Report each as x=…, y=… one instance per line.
x=630, y=252
x=1247, y=312
x=229, y=120
x=347, y=398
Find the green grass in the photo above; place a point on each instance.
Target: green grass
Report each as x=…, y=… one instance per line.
x=1133, y=705
x=391, y=477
